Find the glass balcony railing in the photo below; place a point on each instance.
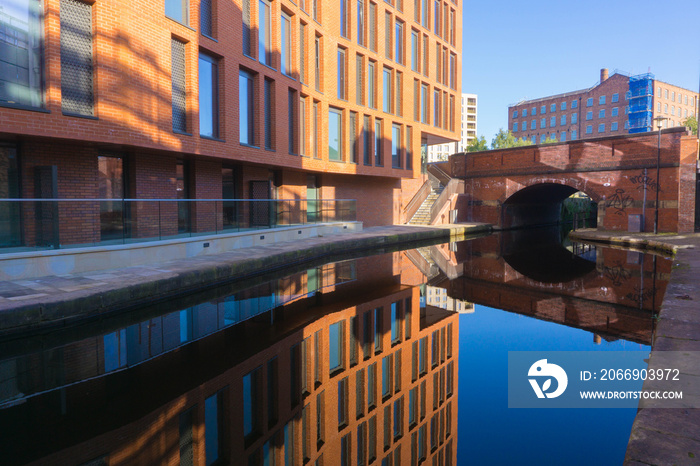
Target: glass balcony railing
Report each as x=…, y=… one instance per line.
x=27, y=224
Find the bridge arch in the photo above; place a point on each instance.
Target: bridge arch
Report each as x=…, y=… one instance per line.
x=540, y=202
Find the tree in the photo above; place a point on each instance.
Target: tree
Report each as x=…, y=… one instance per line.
x=550, y=140
x=477, y=145
x=692, y=123
x=505, y=139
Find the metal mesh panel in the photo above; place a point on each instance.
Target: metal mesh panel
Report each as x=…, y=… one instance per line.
x=76, y=57
x=268, y=114
x=179, y=85
x=205, y=19
x=302, y=53
x=246, y=27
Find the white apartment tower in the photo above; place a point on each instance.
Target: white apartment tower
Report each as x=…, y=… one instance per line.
x=441, y=152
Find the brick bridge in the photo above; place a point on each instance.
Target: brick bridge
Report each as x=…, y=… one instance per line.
x=613, y=297
x=525, y=186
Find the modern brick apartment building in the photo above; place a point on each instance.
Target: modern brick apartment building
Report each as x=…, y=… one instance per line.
x=206, y=99
x=618, y=104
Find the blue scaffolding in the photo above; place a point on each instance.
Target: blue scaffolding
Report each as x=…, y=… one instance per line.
x=640, y=103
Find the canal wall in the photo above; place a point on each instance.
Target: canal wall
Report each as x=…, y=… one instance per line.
x=59, y=301
x=668, y=435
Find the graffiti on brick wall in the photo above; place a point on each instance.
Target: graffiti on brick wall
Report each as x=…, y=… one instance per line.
x=639, y=296
x=643, y=180
x=617, y=274
x=619, y=201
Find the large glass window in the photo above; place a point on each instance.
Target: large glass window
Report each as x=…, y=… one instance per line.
x=398, y=41
x=177, y=10
x=286, y=45
x=208, y=96
x=361, y=22
x=335, y=134
x=264, y=27
x=414, y=51
x=378, y=161
x=245, y=107
x=110, y=186
x=252, y=388
x=424, y=103
x=213, y=411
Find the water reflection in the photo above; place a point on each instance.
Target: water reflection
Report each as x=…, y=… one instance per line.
x=345, y=363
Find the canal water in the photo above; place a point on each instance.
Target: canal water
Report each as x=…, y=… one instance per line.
x=392, y=359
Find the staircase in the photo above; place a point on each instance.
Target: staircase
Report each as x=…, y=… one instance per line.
x=422, y=215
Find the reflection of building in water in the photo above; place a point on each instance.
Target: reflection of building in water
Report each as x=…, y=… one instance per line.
x=436, y=296
x=347, y=376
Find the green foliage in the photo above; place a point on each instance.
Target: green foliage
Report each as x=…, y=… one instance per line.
x=550, y=140
x=692, y=123
x=505, y=139
x=477, y=145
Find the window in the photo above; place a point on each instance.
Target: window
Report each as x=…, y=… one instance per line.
x=573, y=134
x=314, y=130
x=302, y=53
x=425, y=55
x=213, y=418
x=589, y=129
x=208, y=96
x=387, y=34
x=344, y=29
x=524, y=125
x=436, y=107
x=367, y=145
x=206, y=24
x=515, y=114
x=515, y=126
x=286, y=45
x=552, y=122
x=386, y=90
x=615, y=97
x=398, y=419
x=371, y=386
x=335, y=134
x=424, y=12
x=395, y=163
x=553, y=108
x=358, y=80
x=574, y=104
x=291, y=135
x=398, y=93
x=246, y=119
x=563, y=136
x=615, y=111
x=673, y=96
x=373, y=27
x=264, y=28
x=673, y=110
x=341, y=74
x=398, y=42
x=424, y=103
x=533, y=124
x=601, y=100
x=361, y=22
x=252, y=406
x=246, y=29
x=343, y=402
x=354, y=154
x=613, y=126
x=414, y=52
x=542, y=138
x=666, y=93
x=76, y=58
x=601, y=113
x=543, y=110
x=562, y=120
x=371, y=102
x=302, y=126
x=563, y=106
x=589, y=102
x=436, y=17
x=378, y=161
x=574, y=118
x=360, y=394
x=186, y=437
x=543, y=123
x=268, y=92
x=179, y=85
x=534, y=111
x=666, y=108
x=589, y=115
x=601, y=128
x=524, y=112
x=317, y=63
x=177, y=10
x=387, y=364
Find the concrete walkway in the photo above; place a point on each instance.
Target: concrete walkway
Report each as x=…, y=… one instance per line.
x=55, y=301
x=668, y=436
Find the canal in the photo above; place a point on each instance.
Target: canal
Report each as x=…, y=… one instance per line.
x=391, y=359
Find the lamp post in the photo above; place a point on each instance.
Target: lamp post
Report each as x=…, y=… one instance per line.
x=659, y=123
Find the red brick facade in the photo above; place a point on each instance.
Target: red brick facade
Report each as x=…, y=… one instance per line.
x=134, y=102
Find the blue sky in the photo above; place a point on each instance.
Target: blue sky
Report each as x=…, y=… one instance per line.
x=513, y=50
